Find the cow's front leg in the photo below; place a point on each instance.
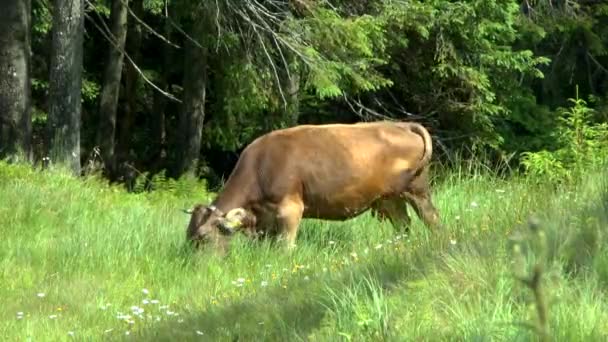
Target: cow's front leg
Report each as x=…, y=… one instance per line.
x=289, y=216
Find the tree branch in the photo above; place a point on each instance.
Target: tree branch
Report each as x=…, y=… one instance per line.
x=272, y=64
x=599, y=65
x=161, y=37
x=109, y=37
x=194, y=41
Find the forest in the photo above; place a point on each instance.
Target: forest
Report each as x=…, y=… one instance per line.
x=117, y=114
x=182, y=87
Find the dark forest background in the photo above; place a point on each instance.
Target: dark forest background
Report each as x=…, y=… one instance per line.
x=149, y=87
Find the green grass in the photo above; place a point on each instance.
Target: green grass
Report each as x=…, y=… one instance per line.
x=92, y=249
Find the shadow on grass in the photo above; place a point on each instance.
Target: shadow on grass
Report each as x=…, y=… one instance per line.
x=293, y=312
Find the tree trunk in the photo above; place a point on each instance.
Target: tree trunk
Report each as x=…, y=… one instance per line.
x=159, y=132
x=133, y=48
x=291, y=88
x=15, y=91
x=65, y=83
x=111, y=84
x=193, y=106
x=159, y=126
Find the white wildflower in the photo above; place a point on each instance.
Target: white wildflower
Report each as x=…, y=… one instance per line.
x=264, y=283
x=154, y=301
x=145, y=291
x=198, y=332
x=474, y=204
x=41, y=294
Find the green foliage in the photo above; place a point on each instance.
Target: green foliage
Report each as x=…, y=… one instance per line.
x=484, y=75
x=330, y=55
x=574, y=35
x=455, y=60
x=158, y=187
x=341, y=54
x=244, y=90
x=156, y=7
x=582, y=145
x=41, y=18
x=90, y=91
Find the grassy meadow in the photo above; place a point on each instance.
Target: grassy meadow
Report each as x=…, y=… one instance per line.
x=81, y=260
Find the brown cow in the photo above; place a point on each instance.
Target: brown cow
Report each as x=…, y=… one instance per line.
x=332, y=172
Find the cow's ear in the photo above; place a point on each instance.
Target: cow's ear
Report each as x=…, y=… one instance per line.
x=232, y=221
x=234, y=218
x=236, y=215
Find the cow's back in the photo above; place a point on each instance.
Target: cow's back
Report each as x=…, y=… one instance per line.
x=334, y=167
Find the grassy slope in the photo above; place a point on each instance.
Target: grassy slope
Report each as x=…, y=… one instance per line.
x=92, y=250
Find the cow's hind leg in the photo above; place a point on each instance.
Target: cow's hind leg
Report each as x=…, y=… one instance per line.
x=290, y=212
x=395, y=210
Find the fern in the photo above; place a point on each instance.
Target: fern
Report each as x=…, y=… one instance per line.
x=583, y=145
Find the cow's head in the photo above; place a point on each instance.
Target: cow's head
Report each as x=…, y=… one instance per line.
x=210, y=224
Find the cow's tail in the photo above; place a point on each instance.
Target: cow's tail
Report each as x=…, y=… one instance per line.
x=428, y=142
x=426, y=138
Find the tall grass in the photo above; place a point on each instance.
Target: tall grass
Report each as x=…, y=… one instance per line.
x=82, y=260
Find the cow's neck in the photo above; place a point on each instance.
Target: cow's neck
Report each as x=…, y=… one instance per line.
x=230, y=198
x=240, y=190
